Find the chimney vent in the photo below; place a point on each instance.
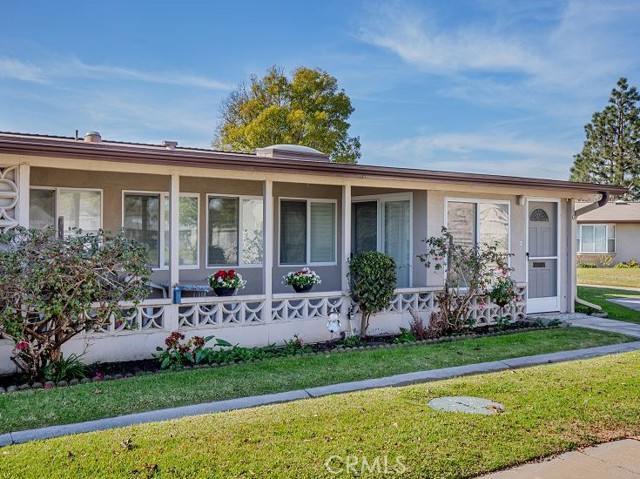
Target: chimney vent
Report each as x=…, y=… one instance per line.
x=92, y=137
x=170, y=145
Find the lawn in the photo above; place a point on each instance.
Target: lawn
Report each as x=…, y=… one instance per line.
x=599, y=296
x=36, y=408
x=549, y=409
x=623, y=277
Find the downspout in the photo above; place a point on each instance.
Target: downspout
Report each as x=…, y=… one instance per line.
x=593, y=206
x=585, y=209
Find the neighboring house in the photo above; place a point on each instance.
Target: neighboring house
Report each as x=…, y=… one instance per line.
x=610, y=234
x=275, y=211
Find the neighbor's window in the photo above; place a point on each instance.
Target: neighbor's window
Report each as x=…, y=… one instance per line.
x=78, y=208
x=597, y=239
x=475, y=222
x=307, y=232
x=146, y=221
x=235, y=229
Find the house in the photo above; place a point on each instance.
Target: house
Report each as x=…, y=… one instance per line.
x=272, y=212
x=609, y=235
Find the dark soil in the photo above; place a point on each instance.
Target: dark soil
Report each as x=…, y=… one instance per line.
x=152, y=365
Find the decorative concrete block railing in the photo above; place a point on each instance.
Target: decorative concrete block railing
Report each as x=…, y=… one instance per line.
x=221, y=311
x=202, y=312
x=303, y=306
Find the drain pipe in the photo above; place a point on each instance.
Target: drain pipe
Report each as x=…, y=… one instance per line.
x=593, y=206
x=585, y=209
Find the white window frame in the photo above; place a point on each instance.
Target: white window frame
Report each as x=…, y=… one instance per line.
x=308, y=239
x=607, y=228
x=380, y=239
x=163, y=196
x=57, y=190
x=239, y=264
x=477, y=201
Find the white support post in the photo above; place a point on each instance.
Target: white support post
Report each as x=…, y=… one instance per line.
x=174, y=258
x=268, y=234
x=22, y=216
x=572, y=289
x=346, y=235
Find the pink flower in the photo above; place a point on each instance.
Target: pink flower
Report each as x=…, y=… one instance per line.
x=22, y=345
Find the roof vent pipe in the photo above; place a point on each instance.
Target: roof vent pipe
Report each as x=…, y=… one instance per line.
x=170, y=145
x=593, y=206
x=92, y=137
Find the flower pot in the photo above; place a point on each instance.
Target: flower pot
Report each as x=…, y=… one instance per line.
x=221, y=291
x=302, y=289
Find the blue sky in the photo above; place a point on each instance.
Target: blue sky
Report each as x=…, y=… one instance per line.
x=495, y=86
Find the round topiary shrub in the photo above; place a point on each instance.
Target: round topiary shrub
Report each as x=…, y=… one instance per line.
x=373, y=281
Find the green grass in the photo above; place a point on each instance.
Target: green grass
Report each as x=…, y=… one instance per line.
x=622, y=277
x=36, y=408
x=599, y=296
x=549, y=409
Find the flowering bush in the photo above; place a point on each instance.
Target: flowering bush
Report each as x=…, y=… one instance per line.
x=470, y=271
x=53, y=289
x=178, y=354
x=303, y=277
x=503, y=290
x=227, y=279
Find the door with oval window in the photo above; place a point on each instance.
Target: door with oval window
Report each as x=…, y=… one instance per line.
x=542, y=257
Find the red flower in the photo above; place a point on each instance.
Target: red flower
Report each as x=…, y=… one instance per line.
x=231, y=273
x=22, y=345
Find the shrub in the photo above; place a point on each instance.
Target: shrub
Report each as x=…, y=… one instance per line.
x=55, y=288
x=178, y=354
x=405, y=336
x=588, y=265
x=470, y=271
x=417, y=327
x=64, y=369
x=630, y=264
x=373, y=282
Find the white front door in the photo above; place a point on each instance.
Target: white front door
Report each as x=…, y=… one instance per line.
x=542, y=257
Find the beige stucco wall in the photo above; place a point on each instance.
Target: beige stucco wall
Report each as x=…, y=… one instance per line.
x=428, y=214
x=627, y=246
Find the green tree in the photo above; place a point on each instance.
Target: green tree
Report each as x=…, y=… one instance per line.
x=611, y=152
x=309, y=109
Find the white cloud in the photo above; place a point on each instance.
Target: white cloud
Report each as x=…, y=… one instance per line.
x=19, y=70
x=69, y=68
x=492, y=152
x=419, y=41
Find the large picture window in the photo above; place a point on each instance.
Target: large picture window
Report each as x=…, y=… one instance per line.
x=235, y=231
x=146, y=217
x=476, y=222
x=79, y=208
x=307, y=232
x=597, y=239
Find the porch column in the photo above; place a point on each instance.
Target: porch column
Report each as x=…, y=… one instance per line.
x=174, y=230
x=346, y=235
x=267, y=260
x=572, y=287
x=22, y=216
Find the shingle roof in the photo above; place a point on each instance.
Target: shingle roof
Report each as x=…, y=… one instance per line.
x=614, y=212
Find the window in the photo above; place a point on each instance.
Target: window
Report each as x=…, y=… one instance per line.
x=307, y=232
x=235, y=231
x=473, y=222
x=78, y=208
x=146, y=217
x=384, y=224
x=597, y=239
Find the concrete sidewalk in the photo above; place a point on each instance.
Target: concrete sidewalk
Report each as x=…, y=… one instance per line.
x=247, y=402
x=613, y=460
